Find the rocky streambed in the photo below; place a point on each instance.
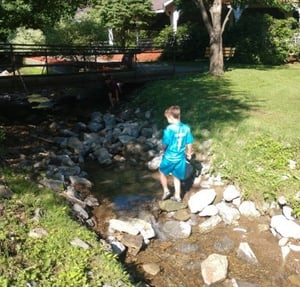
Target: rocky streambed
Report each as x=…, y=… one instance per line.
x=212, y=238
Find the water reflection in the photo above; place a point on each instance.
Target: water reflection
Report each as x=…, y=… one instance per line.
x=128, y=187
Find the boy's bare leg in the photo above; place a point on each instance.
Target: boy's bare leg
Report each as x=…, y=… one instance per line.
x=177, y=187
x=164, y=184
x=111, y=100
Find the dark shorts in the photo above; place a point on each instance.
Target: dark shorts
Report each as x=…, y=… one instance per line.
x=176, y=169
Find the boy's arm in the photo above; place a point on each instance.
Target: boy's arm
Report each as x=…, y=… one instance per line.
x=189, y=150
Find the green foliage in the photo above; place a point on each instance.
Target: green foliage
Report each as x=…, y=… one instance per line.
x=125, y=17
x=36, y=14
x=263, y=169
x=261, y=39
x=51, y=260
x=191, y=40
x=72, y=32
x=26, y=36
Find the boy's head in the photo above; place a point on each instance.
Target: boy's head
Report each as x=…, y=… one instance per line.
x=173, y=113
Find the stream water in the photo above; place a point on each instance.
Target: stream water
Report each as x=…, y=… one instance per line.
x=126, y=190
x=128, y=187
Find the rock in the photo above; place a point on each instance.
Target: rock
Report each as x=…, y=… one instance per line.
x=182, y=215
x=229, y=215
x=230, y=193
x=224, y=245
x=244, y=283
x=80, y=211
x=37, y=232
x=209, y=224
x=248, y=208
x=80, y=184
x=210, y=210
x=55, y=185
x=116, y=246
x=244, y=252
x=151, y=268
x=133, y=242
x=285, y=227
x=176, y=229
x=171, y=205
x=287, y=211
x=5, y=192
x=214, y=268
x=133, y=226
x=201, y=199
x=80, y=243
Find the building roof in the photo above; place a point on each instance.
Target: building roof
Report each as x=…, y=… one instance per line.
x=159, y=5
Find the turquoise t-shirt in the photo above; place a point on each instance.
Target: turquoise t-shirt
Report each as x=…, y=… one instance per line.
x=175, y=138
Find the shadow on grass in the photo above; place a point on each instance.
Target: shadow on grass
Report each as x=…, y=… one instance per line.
x=206, y=102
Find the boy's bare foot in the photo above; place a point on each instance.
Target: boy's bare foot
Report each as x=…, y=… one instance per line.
x=178, y=199
x=166, y=195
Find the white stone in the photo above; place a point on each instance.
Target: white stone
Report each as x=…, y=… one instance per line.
x=287, y=211
x=214, y=268
x=245, y=252
x=123, y=226
x=285, y=227
x=294, y=247
x=230, y=193
x=229, y=215
x=282, y=200
x=248, y=208
x=209, y=224
x=210, y=210
x=285, y=250
x=80, y=243
x=283, y=241
x=201, y=199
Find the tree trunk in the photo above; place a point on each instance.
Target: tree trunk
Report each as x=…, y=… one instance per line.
x=216, y=66
x=215, y=30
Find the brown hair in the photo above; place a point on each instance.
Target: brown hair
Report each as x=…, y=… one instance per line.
x=173, y=111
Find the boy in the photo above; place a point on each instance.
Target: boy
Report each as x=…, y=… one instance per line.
x=177, y=146
x=114, y=90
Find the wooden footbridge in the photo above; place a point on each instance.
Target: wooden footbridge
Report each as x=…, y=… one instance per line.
x=74, y=65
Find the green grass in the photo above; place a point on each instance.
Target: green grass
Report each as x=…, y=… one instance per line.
x=32, y=71
x=51, y=260
x=253, y=118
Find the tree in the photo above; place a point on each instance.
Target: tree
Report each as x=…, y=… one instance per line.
x=35, y=14
x=211, y=13
x=123, y=16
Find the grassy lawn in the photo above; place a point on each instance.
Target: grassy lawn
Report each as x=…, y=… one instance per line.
x=51, y=260
x=253, y=117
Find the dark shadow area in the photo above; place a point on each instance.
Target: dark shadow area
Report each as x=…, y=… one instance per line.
x=206, y=103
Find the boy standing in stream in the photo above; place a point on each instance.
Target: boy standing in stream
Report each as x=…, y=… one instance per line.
x=177, y=146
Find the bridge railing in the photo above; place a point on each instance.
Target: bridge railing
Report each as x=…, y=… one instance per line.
x=60, y=58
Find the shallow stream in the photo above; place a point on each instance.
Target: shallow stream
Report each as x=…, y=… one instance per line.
x=126, y=190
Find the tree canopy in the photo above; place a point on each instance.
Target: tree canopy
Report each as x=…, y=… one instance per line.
x=123, y=15
x=36, y=14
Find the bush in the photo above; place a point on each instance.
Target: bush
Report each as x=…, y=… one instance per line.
x=84, y=32
x=191, y=41
x=261, y=39
x=26, y=36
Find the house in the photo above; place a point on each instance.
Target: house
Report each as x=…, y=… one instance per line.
x=169, y=8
